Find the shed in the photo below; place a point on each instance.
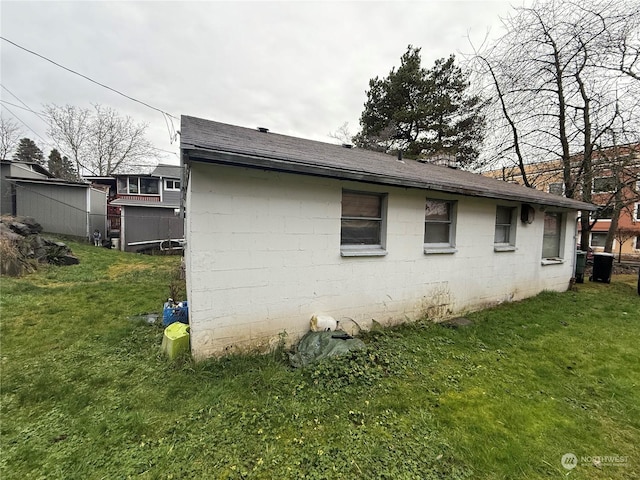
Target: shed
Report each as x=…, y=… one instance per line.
x=60, y=206
x=280, y=228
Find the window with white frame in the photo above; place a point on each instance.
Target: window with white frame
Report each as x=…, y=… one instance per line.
x=362, y=223
x=605, y=212
x=598, y=239
x=552, y=236
x=556, y=188
x=138, y=185
x=604, y=184
x=505, y=226
x=171, y=184
x=439, y=226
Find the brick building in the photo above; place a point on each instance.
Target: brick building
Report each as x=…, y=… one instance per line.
x=615, y=171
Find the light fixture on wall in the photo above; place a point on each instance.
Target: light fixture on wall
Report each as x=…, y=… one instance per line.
x=527, y=213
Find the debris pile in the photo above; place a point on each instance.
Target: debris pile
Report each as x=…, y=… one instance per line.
x=22, y=247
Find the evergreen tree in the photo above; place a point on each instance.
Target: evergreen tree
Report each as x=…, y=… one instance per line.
x=423, y=112
x=28, y=151
x=61, y=167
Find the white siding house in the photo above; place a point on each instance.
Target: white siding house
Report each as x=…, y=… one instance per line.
x=279, y=229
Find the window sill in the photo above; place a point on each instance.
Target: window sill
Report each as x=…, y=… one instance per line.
x=362, y=252
x=552, y=261
x=504, y=248
x=439, y=250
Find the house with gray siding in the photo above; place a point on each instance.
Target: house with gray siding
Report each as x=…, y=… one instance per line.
x=144, y=207
x=279, y=229
x=60, y=206
x=12, y=168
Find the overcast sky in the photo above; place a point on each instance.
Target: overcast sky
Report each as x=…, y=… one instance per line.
x=297, y=68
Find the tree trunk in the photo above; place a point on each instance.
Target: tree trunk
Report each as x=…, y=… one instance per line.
x=585, y=229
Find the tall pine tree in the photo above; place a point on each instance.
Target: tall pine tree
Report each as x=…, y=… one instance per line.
x=28, y=151
x=61, y=167
x=423, y=112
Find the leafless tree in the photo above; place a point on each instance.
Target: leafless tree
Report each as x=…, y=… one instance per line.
x=117, y=142
x=101, y=141
x=342, y=134
x=10, y=134
x=622, y=235
x=69, y=127
x=562, y=80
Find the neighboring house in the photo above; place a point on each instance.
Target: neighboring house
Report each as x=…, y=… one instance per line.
x=281, y=228
x=12, y=168
x=548, y=177
x=144, y=208
x=60, y=206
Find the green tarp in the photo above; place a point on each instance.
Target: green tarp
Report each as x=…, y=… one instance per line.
x=316, y=346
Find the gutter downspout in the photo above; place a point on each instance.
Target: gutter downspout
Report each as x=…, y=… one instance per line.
x=574, y=260
x=122, y=228
x=88, y=206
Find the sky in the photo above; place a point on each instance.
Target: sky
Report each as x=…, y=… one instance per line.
x=298, y=68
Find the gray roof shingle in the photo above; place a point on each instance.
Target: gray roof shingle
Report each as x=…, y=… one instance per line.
x=167, y=171
x=214, y=142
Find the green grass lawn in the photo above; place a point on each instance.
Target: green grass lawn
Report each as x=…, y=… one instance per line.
x=86, y=393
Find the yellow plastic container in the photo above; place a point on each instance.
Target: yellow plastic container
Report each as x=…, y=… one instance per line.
x=175, y=340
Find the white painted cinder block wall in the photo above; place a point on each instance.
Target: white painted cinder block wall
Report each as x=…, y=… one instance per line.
x=263, y=256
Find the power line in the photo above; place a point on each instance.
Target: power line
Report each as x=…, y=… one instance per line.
x=25, y=105
x=33, y=111
x=17, y=106
x=23, y=122
x=172, y=132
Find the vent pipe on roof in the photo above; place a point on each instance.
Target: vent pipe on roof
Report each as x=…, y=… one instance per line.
x=263, y=129
x=347, y=145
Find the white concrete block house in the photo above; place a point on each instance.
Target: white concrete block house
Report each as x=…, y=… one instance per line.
x=281, y=228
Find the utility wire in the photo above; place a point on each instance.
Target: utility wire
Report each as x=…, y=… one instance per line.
x=23, y=122
x=71, y=207
x=172, y=131
x=18, y=106
x=88, y=78
x=26, y=106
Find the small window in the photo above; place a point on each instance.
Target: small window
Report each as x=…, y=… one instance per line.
x=138, y=185
x=171, y=184
x=598, y=239
x=122, y=185
x=439, y=226
x=638, y=242
x=604, y=184
x=362, y=223
x=605, y=212
x=505, y=226
x=637, y=211
x=133, y=185
x=556, y=188
x=552, y=235
x=149, y=186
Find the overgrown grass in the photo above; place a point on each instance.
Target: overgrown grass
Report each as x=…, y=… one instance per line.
x=86, y=393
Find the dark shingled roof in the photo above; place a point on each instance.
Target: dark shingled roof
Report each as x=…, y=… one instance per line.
x=214, y=142
x=167, y=171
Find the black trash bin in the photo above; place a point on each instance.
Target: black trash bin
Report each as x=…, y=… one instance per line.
x=602, y=267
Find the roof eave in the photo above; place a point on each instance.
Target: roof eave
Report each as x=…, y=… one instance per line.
x=273, y=164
